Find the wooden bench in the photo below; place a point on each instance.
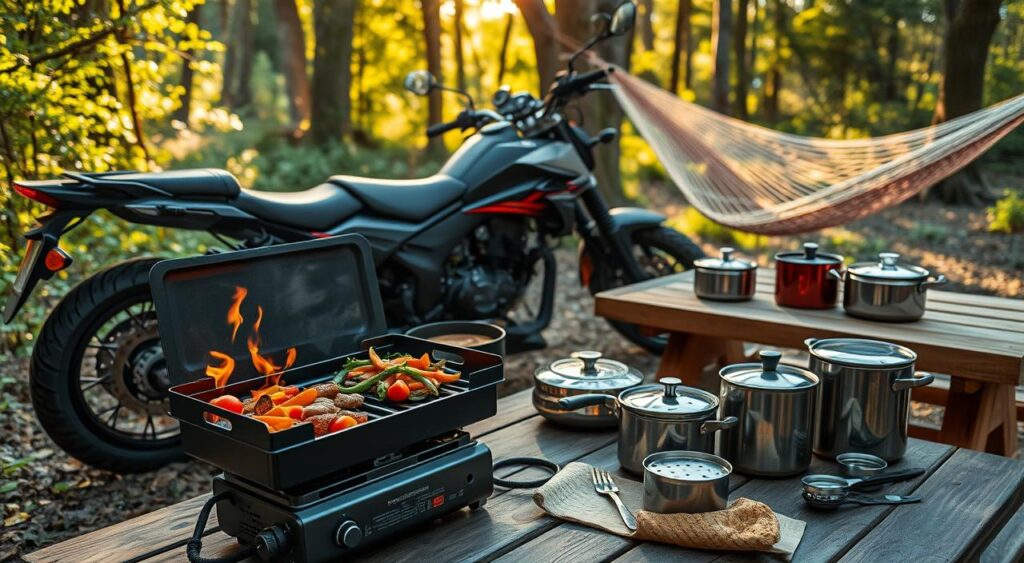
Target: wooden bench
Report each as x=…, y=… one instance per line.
x=977, y=340
x=968, y=512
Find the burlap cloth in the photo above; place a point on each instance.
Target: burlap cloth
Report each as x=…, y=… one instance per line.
x=746, y=525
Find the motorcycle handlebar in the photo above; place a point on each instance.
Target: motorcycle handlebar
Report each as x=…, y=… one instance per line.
x=441, y=128
x=581, y=82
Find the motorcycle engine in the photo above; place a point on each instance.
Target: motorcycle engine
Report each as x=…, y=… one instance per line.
x=489, y=271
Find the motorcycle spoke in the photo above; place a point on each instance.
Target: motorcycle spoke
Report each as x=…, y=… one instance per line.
x=93, y=381
x=111, y=421
x=149, y=425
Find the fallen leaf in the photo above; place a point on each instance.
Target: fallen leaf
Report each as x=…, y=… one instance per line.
x=15, y=519
x=8, y=487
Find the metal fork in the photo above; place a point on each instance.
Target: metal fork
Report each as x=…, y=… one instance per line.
x=604, y=485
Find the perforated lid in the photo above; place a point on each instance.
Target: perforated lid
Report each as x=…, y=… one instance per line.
x=769, y=374
x=809, y=255
x=687, y=466
x=587, y=370
x=888, y=267
x=671, y=399
x=319, y=298
x=859, y=352
x=726, y=262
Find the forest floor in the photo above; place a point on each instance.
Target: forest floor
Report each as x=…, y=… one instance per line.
x=49, y=497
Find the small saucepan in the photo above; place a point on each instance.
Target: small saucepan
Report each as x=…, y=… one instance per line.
x=478, y=335
x=724, y=279
x=886, y=290
x=804, y=279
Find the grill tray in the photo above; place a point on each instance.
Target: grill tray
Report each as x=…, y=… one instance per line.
x=294, y=458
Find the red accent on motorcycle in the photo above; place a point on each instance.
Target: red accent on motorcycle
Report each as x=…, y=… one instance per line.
x=586, y=269
x=36, y=195
x=56, y=260
x=318, y=234
x=530, y=205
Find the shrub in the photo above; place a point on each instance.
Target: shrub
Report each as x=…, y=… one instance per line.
x=1007, y=216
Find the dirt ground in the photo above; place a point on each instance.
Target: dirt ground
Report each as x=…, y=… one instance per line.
x=49, y=497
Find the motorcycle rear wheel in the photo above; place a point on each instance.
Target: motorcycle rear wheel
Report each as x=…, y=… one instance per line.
x=660, y=252
x=98, y=377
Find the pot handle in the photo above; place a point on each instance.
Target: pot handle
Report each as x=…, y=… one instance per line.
x=887, y=477
x=939, y=280
x=920, y=379
x=810, y=342
x=836, y=273
x=594, y=399
x=716, y=425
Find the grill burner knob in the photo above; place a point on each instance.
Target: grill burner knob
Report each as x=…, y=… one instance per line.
x=349, y=534
x=271, y=543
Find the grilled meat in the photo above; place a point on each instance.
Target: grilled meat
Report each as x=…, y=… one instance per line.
x=360, y=417
x=321, y=423
x=318, y=408
x=328, y=390
x=348, y=401
x=249, y=406
x=263, y=405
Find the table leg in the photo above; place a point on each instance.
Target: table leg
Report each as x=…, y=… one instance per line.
x=980, y=416
x=686, y=356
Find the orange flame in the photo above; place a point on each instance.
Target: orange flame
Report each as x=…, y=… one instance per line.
x=235, y=318
x=289, y=358
x=221, y=373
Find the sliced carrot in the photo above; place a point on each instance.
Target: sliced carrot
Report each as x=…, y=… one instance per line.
x=361, y=370
x=414, y=385
x=423, y=362
x=441, y=376
x=375, y=360
x=303, y=399
x=291, y=390
x=276, y=422
x=279, y=397
x=289, y=411
x=266, y=391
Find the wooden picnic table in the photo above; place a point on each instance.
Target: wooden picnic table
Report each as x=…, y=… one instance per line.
x=977, y=340
x=970, y=510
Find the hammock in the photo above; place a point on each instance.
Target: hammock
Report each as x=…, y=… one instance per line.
x=762, y=181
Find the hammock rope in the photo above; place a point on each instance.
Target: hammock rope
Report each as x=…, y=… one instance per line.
x=758, y=180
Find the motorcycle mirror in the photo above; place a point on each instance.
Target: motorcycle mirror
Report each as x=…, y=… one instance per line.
x=623, y=18
x=420, y=82
x=600, y=24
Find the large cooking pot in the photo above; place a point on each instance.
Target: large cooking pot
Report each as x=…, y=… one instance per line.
x=657, y=418
x=724, y=279
x=886, y=290
x=775, y=408
x=803, y=279
x=583, y=373
x=864, y=396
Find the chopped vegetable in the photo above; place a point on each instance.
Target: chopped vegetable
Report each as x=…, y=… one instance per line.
x=375, y=360
x=418, y=376
x=368, y=383
x=303, y=398
x=398, y=391
x=423, y=362
x=294, y=411
x=382, y=389
x=228, y=403
x=276, y=422
x=263, y=405
x=341, y=423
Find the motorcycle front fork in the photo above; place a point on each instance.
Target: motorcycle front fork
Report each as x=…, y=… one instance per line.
x=600, y=234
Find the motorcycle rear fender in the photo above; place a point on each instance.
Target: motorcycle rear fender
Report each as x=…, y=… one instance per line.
x=626, y=221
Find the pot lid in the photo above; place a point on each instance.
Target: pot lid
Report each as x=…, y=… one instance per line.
x=889, y=267
x=726, y=262
x=809, y=255
x=669, y=399
x=858, y=352
x=769, y=374
x=587, y=370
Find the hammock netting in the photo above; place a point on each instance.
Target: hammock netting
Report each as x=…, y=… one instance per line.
x=762, y=181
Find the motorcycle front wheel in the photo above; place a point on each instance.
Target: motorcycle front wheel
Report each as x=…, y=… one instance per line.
x=98, y=375
x=659, y=252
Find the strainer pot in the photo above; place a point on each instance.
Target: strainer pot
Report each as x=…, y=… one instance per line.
x=682, y=481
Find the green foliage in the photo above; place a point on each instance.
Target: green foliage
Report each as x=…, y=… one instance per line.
x=696, y=225
x=1007, y=216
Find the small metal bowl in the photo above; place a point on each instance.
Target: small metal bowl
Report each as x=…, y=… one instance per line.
x=855, y=464
x=684, y=481
x=495, y=335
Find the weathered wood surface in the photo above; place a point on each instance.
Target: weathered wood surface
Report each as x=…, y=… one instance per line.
x=972, y=336
x=971, y=508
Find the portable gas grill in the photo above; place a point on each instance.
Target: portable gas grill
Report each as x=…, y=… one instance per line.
x=289, y=495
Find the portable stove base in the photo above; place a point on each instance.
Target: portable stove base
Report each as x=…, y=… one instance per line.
x=327, y=524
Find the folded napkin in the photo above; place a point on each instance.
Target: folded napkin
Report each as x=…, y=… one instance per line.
x=746, y=525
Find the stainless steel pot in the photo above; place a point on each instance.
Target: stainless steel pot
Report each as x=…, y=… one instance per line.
x=657, y=418
x=682, y=481
x=863, y=397
x=724, y=279
x=583, y=373
x=775, y=408
x=886, y=290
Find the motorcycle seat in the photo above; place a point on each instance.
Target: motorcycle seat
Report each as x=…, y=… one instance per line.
x=211, y=182
x=317, y=209
x=410, y=200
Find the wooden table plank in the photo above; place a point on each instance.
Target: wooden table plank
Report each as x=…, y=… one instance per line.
x=1009, y=544
x=967, y=501
x=176, y=521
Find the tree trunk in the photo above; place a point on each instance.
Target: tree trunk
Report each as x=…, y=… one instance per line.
x=432, y=36
x=543, y=28
x=721, y=38
x=460, y=58
x=333, y=26
x=681, y=45
x=599, y=111
x=187, y=73
x=292, y=42
x=242, y=95
x=645, y=24
x=503, y=52
x=773, y=84
x=739, y=46
x=971, y=26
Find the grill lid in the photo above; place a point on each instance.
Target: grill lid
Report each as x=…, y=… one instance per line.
x=671, y=400
x=320, y=297
x=859, y=352
x=769, y=374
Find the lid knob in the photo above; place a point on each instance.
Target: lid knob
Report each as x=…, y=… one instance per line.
x=727, y=252
x=671, y=383
x=889, y=260
x=810, y=250
x=589, y=358
x=770, y=360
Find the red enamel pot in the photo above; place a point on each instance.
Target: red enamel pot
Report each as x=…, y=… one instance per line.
x=803, y=281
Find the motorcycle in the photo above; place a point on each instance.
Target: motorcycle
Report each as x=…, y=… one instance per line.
x=462, y=244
